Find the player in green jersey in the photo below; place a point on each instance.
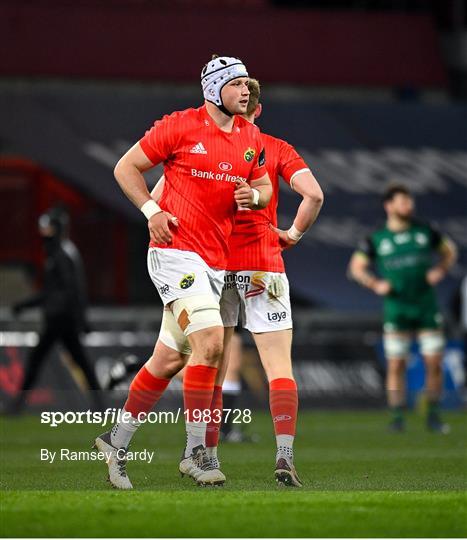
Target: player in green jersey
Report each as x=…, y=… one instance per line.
x=403, y=254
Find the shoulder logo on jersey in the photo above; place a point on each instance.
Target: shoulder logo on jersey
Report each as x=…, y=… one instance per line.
x=198, y=149
x=249, y=154
x=187, y=281
x=262, y=158
x=225, y=166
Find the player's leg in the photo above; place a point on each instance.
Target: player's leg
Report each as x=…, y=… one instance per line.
x=144, y=393
x=231, y=386
x=149, y=383
x=199, y=318
x=268, y=316
x=432, y=348
x=217, y=402
x=229, y=311
x=192, y=290
x=153, y=378
x=274, y=349
x=396, y=349
x=72, y=342
x=198, y=389
x=34, y=363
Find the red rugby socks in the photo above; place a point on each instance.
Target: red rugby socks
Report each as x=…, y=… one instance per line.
x=145, y=391
x=198, y=390
x=213, y=427
x=283, y=402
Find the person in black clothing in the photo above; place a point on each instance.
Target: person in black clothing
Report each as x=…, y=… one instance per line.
x=63, y=302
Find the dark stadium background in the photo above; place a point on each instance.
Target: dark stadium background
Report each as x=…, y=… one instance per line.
x=369, y=92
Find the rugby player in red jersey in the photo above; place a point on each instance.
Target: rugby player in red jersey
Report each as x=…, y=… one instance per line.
x=257, y=290
x=213, y=163
x=257, y=287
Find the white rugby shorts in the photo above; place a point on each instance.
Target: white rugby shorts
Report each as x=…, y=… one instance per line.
x=180, y=274
x=246, y=296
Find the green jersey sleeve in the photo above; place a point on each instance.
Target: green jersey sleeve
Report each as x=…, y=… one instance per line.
x=367, y=247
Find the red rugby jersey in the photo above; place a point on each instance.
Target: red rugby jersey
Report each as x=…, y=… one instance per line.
x=201, y=164
x=253, y=246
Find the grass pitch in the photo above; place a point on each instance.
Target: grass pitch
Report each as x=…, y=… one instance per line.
x=359, y=481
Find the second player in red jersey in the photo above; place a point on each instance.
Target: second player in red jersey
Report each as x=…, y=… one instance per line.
x=254, y=245
x=256, y=290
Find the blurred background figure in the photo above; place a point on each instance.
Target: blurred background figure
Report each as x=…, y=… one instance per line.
x=62, y=301
x=402, y=251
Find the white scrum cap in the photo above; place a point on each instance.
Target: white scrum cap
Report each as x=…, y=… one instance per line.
x=217, y=73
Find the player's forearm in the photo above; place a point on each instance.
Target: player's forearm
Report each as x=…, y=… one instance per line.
x=264, y=188
x=359, y=271
x=305, y=184
x=265, y=194
x=307, y=212
x=448, y=255
x=132, y=183
x=364, y=278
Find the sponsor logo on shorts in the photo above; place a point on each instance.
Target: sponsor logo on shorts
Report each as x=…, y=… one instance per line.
x=277, y=316
x=249, y=154
x=164, y=289
x=225, y=166
x=282, y=418
x=258, y=286
x=236, y=281
x=187, y=281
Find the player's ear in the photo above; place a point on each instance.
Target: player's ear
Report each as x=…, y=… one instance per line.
x=258, y=110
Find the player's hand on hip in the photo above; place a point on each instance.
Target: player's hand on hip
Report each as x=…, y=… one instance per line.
x=159, y=227
x=243, y=194
x=435, y=275
x=382, y=287
x=284, y=239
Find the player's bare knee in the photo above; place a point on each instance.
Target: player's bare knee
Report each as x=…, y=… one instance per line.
x=208, y=345
x=213, y=353
x=174, y=364
x=433, y=365
x=166, y=368
x=396, y=366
